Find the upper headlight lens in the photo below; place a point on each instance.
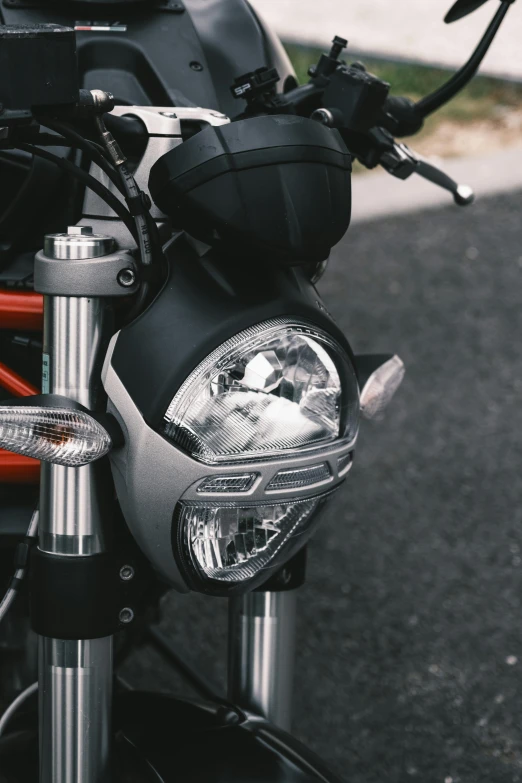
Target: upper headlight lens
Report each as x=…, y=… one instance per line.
x=272, y=389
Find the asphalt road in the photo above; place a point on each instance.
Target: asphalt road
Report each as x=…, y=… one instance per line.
x=410, y=642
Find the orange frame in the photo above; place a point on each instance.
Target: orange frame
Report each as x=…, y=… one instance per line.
x=19, y=310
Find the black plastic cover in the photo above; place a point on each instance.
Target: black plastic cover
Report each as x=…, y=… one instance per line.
x=38, y=66
x=272, y=188
x=358, y=95
x=74, y=597
x=214, y=743
x=152, y=63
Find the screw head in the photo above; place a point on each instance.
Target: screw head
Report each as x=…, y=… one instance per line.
x=126, y=615
x=196, y=66
x=324, y=116
x=126, y=573
x=126, y=277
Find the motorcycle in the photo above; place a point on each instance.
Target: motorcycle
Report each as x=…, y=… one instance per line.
x=197, y=404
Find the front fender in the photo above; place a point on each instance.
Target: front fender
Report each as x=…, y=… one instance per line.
x=186, y=742
x=162, y=739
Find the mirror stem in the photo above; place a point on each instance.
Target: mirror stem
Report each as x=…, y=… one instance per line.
x=442, y=95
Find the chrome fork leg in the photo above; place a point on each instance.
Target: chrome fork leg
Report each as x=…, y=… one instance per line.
x=261, y=653
x=75, y=676
x=75, y=682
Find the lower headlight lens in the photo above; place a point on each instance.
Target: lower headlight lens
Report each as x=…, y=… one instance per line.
x=271, y=390
x=232, y=544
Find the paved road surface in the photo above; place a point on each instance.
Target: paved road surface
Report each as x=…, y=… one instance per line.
x=402, y=28
x=410, y=638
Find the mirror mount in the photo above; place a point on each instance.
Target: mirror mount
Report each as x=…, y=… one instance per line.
x=462, y=8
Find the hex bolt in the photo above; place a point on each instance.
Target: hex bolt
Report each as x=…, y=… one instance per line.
x=126, y=615
x=126, y=573
x=338, y=44
x=126, y=277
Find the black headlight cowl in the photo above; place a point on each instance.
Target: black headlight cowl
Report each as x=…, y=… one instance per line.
x=204, y=303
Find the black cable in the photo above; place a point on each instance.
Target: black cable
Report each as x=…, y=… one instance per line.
x=48, y=140
x=94, y=151
x=144, y=243
x=143, y=228
x=443, y=94
x=142, y=296
x=44, y=139
x=21, y=565
x=132, y=192
x=75, y=171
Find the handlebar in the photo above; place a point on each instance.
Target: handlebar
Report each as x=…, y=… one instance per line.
x=358, y=104
x=341, y=96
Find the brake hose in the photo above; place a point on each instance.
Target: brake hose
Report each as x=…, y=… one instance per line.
x=104, y=193
x=135, y=196
x=21, y=558
x=94, y=151
x=13, y=707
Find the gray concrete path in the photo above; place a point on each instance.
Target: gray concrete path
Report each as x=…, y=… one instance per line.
x=399, y=28
x=377, y=194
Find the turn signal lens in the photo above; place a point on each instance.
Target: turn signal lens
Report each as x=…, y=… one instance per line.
x=58, y=435
x=380, y=387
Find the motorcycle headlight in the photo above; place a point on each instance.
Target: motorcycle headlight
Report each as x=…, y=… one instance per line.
x=273, y=389
x=230, y=543
x=221, y=482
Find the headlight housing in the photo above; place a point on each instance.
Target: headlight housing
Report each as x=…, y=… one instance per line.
x=271, y=391
x=222, y=479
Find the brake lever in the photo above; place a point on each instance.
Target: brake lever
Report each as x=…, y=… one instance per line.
x=401, y=162
x=463, y=195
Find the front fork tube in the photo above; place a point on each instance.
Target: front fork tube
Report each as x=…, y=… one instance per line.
x=75, y=675
x=75, y=686
x=261, y=654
